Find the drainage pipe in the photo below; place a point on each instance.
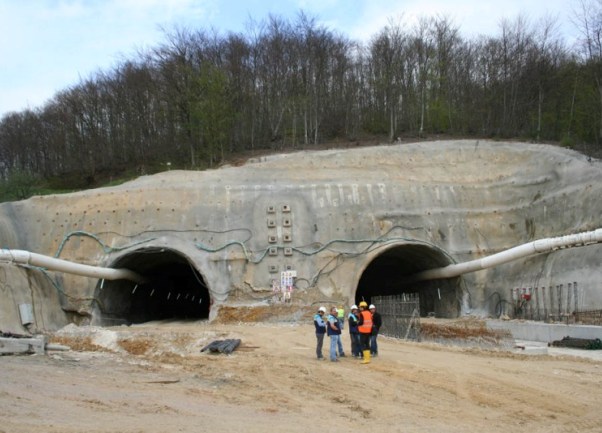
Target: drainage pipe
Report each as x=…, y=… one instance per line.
x=532, y=248
x=53, y=264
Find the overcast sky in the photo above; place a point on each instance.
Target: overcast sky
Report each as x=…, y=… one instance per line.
x=49, y=45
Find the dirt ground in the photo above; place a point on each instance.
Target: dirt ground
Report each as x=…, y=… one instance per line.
x=154, y=378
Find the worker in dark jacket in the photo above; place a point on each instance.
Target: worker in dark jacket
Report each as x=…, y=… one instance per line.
x=354, y=333
x=333, y=329
x=377, y=322
x=341, y=319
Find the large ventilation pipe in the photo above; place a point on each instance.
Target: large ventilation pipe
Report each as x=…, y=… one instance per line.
x=536, y=247
x=53, y=264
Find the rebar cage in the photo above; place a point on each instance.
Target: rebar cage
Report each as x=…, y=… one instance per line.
x=400, y=314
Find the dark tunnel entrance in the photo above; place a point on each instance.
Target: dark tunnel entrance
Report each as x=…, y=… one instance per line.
x=387, y=273
x=174, y=290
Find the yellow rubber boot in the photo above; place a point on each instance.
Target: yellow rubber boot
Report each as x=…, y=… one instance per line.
x=366, y=359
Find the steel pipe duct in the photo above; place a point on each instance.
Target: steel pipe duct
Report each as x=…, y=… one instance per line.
x=532, y=248
x=59, y=265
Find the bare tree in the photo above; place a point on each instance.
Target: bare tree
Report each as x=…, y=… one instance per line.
x=588, y=17
x=388, y=74
x=446, y=41
x=423, y=51
x=547, y=51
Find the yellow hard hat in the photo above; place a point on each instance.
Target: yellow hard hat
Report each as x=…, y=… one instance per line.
x=363, y=304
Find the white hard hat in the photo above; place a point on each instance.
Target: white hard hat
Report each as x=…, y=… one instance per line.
x=322, y=309
x=371, y=306
x=354, y=307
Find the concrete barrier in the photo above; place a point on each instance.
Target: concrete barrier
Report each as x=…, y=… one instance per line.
x=545, y=332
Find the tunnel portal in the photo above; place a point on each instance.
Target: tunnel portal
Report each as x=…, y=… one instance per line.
x=174, y=289
x=387, y=275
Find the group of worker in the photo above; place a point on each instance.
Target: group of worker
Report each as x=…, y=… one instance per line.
x=364, y=324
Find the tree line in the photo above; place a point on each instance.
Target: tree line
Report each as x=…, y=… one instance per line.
x=200, y=96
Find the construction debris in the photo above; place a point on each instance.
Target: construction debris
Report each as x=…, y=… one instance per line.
x=273, y=313
x=465, y=332
x=578, y=343
x=222, y=346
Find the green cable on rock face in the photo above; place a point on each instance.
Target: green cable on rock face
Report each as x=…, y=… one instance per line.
x=380, y=240
x=261, y=254
x=79, y=233
x=107, y=249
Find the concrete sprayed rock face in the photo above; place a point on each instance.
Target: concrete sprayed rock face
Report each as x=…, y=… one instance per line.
x=340, y=225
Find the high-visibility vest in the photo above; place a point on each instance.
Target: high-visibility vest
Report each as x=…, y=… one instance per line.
x=366, y=327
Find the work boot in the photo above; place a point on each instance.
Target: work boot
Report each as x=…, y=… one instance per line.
x=366, y=359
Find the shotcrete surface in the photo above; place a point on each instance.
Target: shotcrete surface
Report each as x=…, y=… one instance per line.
x=462, y=199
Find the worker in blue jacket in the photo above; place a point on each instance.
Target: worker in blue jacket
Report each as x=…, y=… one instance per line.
x=320, y=325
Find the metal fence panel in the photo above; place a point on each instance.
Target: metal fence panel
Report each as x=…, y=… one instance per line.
x=400, y=314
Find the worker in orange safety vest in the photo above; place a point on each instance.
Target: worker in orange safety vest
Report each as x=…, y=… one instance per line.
x=365, y=329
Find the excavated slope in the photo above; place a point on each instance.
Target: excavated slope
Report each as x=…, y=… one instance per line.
x=349, y=223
